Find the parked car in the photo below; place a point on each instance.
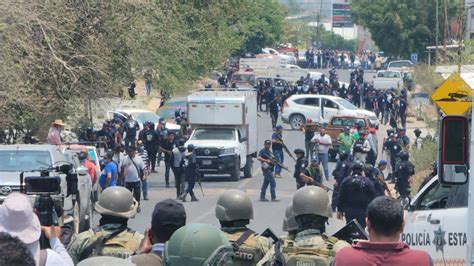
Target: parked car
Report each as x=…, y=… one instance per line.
x=28, y=159
x=400, y=65
x=244, y=78
x=338, y=123
x=386, y=79
x=320, y=108
x=289, y=58
x=278, y=83
x=167, y=111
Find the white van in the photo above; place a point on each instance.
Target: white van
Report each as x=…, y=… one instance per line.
x=436, y=222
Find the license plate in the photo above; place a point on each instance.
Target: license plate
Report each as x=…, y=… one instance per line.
x=206, y=162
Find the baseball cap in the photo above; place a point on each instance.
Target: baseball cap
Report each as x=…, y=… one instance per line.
x=347, y=128
x=279, y=127
x=168, y=213
x=18, y=219
x=268, y=142
x=383, y=162
x=372, y=130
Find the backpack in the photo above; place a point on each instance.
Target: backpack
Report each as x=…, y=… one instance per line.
x=245, y=248
x=318, y=255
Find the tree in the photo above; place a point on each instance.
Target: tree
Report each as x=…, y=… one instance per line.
x=400, y=27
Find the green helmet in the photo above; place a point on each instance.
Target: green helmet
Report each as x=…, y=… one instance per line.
x=198, y=244
x=311, y=200
x=289, y=223
x=117, y=201
x=234, y=205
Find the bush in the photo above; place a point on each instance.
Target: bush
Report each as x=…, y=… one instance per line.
x=422, y=159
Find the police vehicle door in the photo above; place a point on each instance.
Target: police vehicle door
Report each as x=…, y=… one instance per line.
x=242, y=146
x=436, y=222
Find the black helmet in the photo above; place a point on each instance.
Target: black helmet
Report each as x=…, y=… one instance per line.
x=343, y=155
x=357, y=165
x=298, y=151
x=404, y=156
x=390, y=131
x=368, y=168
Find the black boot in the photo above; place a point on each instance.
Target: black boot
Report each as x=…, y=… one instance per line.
x=183, y=196
x=193, y=198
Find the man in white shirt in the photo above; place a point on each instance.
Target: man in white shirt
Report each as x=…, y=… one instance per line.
x=133, y=170
x=324, y=142
x=361, y=147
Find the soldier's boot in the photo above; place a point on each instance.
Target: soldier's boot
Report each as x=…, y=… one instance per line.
x=183, y=196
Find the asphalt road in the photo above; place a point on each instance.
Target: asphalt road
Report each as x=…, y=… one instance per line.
x=266, y=214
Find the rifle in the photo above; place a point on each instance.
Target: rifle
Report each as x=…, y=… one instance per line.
x=198, y=179
x=275, y=161
x=286, y=149
x=351, y=231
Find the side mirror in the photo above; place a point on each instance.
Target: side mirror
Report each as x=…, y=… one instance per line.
x=242, y=139
x=453, y=151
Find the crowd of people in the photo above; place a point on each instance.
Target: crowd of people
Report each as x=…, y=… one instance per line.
x=326, y=58
x=171, y=241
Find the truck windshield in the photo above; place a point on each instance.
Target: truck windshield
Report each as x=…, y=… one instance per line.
x=146, y=116
x=18, y=160
x=213, y=134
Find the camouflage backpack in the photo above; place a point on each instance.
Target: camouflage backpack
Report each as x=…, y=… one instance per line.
x=320, y=254
x=246, y=251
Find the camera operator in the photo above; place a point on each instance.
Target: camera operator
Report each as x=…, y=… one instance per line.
x=18, y=219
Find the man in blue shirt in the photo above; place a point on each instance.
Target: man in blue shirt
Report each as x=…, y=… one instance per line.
x=109, y=176
x=265, y=157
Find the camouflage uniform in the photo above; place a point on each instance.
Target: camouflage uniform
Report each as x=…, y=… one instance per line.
x=252, y=249
x=121, y=246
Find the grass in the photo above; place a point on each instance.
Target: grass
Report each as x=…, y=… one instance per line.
x=422, y=159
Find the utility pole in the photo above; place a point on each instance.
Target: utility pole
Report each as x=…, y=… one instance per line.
x=437, y=33
x=318, y=34
x=460, y=33
x=445, y=32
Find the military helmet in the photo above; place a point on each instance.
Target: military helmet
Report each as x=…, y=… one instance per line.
x=289, y=223
x=311, y=200
x=234, y=205
x=117, y=201
x=357, y=165
x=198, y=244
x=404, y=156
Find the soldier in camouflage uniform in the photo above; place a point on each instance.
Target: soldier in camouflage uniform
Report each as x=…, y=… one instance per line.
x=234, y=211
x=112, y=237
x=310, y=245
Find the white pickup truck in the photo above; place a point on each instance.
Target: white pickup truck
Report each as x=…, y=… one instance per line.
x=224, y=125
x=386, y=79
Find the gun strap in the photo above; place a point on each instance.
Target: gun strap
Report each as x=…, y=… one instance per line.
x=279, y=261
x=245, y=235
x=96, y=247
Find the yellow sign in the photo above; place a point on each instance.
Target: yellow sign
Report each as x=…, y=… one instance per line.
x=453, y=96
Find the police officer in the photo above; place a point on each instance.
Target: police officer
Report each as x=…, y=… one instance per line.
x=112, y=237
x=343, y=170
x=404, y=172
x=361, y=147
x=312, y=175
x=234, y=211
x=370, y=174
x=311, y=209
x=198, y=245
x=301, y=164
x=355, y=194
x=394, y=148
x=150, y=139
x=191, y=172
x=404, y=139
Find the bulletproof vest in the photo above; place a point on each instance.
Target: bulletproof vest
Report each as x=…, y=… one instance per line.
x=123, y=245
x=358, y=145
x=358, y=189
x=344, y=171
x=247, y=253
x=321, y=253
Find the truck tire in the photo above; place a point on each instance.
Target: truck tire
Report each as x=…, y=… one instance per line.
x=248, y=167
x=297, y=121
x=235, y=175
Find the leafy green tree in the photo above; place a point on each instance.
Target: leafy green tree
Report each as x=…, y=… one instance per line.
x=400, y=27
